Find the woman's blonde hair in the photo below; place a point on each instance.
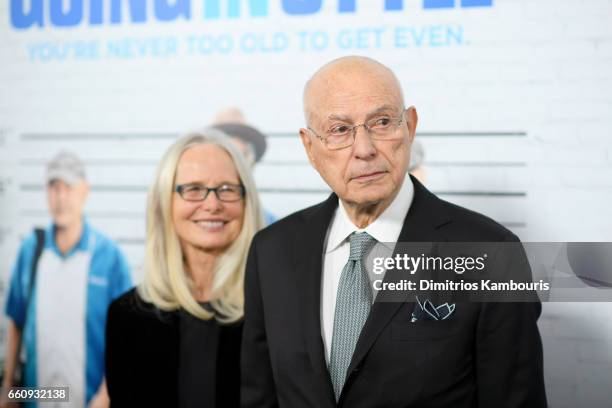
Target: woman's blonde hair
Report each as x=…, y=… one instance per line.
x=166, y=283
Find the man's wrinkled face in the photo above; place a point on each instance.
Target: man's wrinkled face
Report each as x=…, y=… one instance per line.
x=66, y=202
x=369, y=171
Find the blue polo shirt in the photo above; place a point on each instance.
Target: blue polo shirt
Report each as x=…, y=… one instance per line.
x=100, y=272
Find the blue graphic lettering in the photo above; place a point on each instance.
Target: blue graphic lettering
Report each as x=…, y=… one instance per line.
x=349, y=6
x=151, y=47
x=393, y=5
x=346, y=6
x=476, y=3
x=25, y=14
x=361, y=38
x=428, y=36
x=71, y=18
x=313, y=40
x=433, y=4
x=300, y=7
x=19, y=18
x=435, y=36
x=233, y=8
x=208, y=44
x=454, y=35
x=212, y=8
x=254, y=42
x=138, y=11
x=96, y=12
x=62, y=51
x=167, y=12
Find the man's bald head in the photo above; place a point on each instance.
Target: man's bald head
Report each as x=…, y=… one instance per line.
x=359, y=133
x=336, y=75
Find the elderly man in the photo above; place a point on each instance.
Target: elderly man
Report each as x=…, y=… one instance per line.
x=312, y=336
x=63, y=281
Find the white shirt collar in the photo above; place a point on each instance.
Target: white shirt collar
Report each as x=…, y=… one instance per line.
x=385, y=229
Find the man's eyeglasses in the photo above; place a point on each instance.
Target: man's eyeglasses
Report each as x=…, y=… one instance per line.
x=379, y=127
x=197, y=192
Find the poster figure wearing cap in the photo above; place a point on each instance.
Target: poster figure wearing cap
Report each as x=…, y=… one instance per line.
x=250, y=141
x=62, y=283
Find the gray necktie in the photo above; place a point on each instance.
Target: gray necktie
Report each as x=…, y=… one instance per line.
x=353, y=302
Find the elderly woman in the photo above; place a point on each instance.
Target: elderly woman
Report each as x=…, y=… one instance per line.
x=174, y=341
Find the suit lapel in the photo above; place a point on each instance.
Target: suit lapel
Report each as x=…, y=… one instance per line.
x=424, y=217
x=308, y=255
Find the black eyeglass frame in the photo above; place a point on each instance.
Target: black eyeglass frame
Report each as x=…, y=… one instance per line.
x=352, y=131
x=180, y=188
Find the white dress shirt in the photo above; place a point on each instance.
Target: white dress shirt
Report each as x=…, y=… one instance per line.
x=385, y=229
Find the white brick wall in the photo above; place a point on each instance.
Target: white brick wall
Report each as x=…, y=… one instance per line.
x=538, y=70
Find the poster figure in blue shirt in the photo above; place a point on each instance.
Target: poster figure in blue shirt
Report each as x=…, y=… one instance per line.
x=58, y=321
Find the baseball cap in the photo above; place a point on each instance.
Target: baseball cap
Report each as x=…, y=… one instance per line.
x=232, y=122
x=67, y=167
x=246, y=133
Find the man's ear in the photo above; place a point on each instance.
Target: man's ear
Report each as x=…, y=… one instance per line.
x=411, y=121
x=307, y=143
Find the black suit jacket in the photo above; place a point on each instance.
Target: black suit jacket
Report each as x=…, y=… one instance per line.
x=488, y=355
